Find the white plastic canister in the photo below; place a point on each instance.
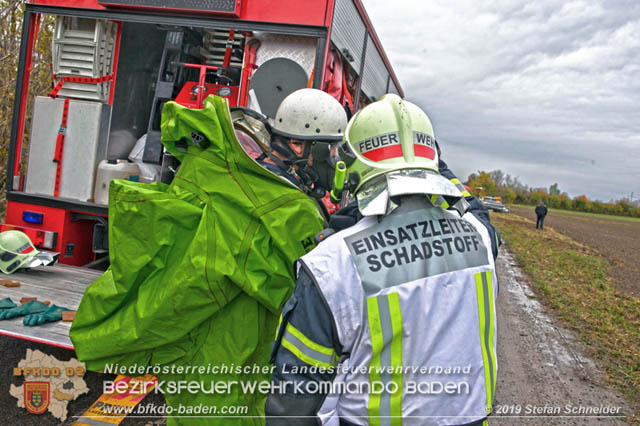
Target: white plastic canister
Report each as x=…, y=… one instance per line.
x=113, y=169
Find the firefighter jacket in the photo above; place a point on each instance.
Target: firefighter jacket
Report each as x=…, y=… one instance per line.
x=398, y=315
x=541, y=210
x=200, y=270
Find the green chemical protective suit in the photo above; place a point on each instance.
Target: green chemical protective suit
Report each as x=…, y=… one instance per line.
x=199, y=269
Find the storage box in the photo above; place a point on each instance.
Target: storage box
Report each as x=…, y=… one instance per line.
x=85, y=145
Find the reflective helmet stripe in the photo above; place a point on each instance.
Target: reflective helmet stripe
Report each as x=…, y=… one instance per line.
x=384, y=153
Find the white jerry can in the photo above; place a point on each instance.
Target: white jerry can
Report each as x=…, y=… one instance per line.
x=113, y=169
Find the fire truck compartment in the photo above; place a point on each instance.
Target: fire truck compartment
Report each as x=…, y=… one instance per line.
x=115, y=63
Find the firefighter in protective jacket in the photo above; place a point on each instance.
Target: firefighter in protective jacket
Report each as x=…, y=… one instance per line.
x=392, y=320
x=199, y=271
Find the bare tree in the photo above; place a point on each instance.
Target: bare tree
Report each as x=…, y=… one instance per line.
x=497, y=176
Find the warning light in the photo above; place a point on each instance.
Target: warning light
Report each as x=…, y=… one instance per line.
x=33, y=217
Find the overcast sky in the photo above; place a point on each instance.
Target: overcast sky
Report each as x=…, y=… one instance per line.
x=545, y=90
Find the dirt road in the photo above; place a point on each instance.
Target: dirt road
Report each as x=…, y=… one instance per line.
x=617, y=240
x=543, y=378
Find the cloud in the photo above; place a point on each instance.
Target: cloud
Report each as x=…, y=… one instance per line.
x=544, y=90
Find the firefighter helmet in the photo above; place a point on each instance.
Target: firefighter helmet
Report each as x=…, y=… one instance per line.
x=393, y=135
x=310, y=114
x=16, y=250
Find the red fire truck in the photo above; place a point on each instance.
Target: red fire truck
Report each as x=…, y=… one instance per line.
x=116, y=62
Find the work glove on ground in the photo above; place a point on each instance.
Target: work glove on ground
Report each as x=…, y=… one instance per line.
x=7, y=303
x=52, y=314
x=32, y=307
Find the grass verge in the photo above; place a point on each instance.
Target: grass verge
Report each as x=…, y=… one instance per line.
x=574, y=281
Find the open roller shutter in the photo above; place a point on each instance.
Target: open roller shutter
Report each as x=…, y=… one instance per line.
x=348, y=32
x=375, y=75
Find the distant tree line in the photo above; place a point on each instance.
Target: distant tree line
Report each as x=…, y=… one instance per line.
x=513, y=191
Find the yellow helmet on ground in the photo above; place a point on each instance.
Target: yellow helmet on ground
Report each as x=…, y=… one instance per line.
x=16, y=250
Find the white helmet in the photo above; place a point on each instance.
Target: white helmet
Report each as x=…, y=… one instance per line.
x=310, y=114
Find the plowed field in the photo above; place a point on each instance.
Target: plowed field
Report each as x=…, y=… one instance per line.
x=617, y=240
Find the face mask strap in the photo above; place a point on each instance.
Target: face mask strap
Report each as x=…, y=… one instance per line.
x=282, y=147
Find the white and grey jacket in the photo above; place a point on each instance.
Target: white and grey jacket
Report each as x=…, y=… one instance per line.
x=407, y=302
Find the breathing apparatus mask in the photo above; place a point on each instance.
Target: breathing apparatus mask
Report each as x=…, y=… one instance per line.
x=314, y=168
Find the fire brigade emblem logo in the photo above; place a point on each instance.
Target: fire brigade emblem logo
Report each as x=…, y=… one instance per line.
x=36, y=396
x=48, y=384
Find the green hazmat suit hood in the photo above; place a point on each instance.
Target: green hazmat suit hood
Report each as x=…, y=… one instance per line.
x=199, y=268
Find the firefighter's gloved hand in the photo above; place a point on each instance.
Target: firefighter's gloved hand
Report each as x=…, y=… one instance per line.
x=33, y=307
x=52, y=314
x=7, y=303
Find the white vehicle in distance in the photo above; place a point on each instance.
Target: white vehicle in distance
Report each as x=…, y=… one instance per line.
x=495, y=204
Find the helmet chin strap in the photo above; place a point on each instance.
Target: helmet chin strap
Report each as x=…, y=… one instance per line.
x=284, y=165
x=307, y=174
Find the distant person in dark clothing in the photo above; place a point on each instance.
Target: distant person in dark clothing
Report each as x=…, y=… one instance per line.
x=541, y=212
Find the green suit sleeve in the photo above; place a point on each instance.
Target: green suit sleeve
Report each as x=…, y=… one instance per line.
x=185, y=255
x=158, y=288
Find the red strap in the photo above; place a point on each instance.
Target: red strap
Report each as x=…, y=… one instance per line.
x=57, y=156
x=227, y=52
x=71, y=79
x=310, y=82
x=345, y=91
x=35, y=38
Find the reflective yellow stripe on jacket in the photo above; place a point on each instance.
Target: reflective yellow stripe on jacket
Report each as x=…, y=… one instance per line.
x=439, y=201
x=461, y=187
x=385, y=325
x=484, y=290
x=306, y=349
